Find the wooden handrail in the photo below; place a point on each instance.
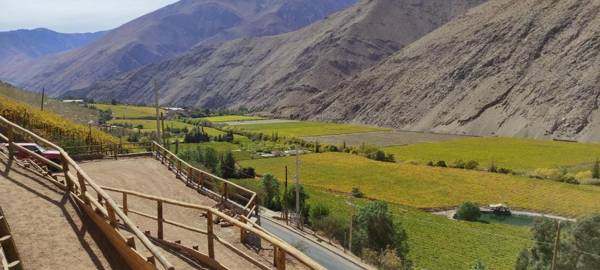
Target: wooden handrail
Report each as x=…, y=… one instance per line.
x=111, y=205
x=213, y=212
x=187, y=170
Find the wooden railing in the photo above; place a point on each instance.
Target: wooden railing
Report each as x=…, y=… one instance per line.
x=9, y=255
x=280, y=248
x=103, y=211
x=240, y=198
x=109, y=216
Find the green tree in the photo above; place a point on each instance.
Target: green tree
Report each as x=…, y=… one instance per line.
x=211, y=159
x=270, y=190
x=596, y=170
x=468, y=211
x=377, y=231
x=290, y=201
x=227, y=166
x=318, y=213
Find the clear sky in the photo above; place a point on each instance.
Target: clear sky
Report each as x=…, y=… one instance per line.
x=72, y=16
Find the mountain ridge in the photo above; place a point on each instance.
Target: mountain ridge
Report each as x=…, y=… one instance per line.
x=281, y=71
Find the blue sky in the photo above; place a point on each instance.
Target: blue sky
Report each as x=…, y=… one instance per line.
x=73, y=16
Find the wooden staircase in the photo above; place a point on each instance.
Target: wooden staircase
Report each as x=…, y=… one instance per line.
x=9, y=256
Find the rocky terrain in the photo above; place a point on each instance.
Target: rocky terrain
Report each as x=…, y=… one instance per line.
x=512, y=68
x=20, y=45
x=163, y=34
x=279, y=73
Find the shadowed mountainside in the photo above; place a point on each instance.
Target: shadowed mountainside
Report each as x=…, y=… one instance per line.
x=512, y=68
x=275, y=73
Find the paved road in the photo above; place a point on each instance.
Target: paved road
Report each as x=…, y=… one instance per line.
x=325, y=257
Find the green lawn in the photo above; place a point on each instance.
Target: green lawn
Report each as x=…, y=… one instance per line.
x=220, y=147
x=129, y=111
x=151, y=124
x=303, y=129
x=515, y=154
x=428, y=187
x=436, y=242
x=231, y=118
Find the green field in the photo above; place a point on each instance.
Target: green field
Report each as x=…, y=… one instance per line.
x=515, y=154
x=231, y=118
x=220, y=147
x=150, y=125
x=429, y=187
x=74, y=112
x=303, y=129
x=436, y=242
x=128, y=111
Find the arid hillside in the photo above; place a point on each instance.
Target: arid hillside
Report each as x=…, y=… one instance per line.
x=509, y=67
x=273, y=74
x=162, y=34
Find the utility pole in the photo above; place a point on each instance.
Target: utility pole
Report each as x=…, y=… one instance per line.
x=351, y=222
x=162, y=128
x=43, y=94
x=297, y=182
x=556, y=246
x=285, y=210
x=158, y=135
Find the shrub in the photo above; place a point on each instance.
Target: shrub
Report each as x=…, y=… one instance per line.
x=596, y=170
x=356, y=193
x=504, y=171
x=460, y=164
x=468, y=211
x=318, y=213
x=247, y=172
x=471, y=165
x=583, y=175
x=430, y=163
x=441, y=163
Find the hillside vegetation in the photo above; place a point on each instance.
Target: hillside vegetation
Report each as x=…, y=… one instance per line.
x=302, y=129
x=428, y=187
x=435, y=242
x=70, y=111
x=51, y=126
x=515, y=154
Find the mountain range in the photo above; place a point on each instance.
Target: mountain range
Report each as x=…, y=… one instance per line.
x=510, y=68
x=271, y=74
x=525, y=68
x=20, y=45
x=162, y=34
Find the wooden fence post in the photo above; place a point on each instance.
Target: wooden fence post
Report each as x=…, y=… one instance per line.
x=125, y=206
x=209, y=234
x=243, y=232
x=111, y=215
x=11, y=139
x=279, y=258
x=83, y=188
x=225, y=191
x=65, y=167
x=160, y=220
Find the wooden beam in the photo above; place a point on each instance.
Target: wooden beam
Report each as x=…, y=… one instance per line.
x=159, y=208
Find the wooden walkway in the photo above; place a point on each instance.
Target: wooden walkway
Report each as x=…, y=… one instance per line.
x=47, y=226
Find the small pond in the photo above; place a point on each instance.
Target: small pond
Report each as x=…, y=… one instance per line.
x=514, y=219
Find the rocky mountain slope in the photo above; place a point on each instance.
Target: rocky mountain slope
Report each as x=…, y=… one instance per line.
x=165, y=33
x=20, y=45
x=279, y=73
x=510, y=67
